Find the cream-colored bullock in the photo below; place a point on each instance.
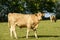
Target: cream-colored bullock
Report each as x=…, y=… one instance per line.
x=30, y=21
x=53, y=18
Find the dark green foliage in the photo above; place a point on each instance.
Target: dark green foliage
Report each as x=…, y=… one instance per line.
x=31, y=5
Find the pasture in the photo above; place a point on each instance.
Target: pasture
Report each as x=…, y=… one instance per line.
x=47, y=30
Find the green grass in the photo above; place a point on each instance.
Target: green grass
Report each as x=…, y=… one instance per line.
x=46, y=31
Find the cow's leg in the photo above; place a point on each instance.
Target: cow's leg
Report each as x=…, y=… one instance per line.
x=35, y=31
x=28, y=29
x=27, y=33
x=51, y=20
x=12, y=31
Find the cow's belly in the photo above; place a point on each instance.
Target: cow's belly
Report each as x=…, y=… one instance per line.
x=21, y=25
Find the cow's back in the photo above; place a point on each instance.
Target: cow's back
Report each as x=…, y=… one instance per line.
x=18, y=19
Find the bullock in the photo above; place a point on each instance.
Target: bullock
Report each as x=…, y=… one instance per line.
x=30, y=21
x=53, y=18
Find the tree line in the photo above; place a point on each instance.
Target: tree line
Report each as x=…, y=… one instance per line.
x=23, y=6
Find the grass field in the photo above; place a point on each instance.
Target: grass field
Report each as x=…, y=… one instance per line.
x=46, y=31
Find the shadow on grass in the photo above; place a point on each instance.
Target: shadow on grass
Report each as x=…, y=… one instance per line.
x=48, y=36
x=39, y=36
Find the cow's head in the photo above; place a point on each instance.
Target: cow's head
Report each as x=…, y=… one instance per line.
x=39, y=15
